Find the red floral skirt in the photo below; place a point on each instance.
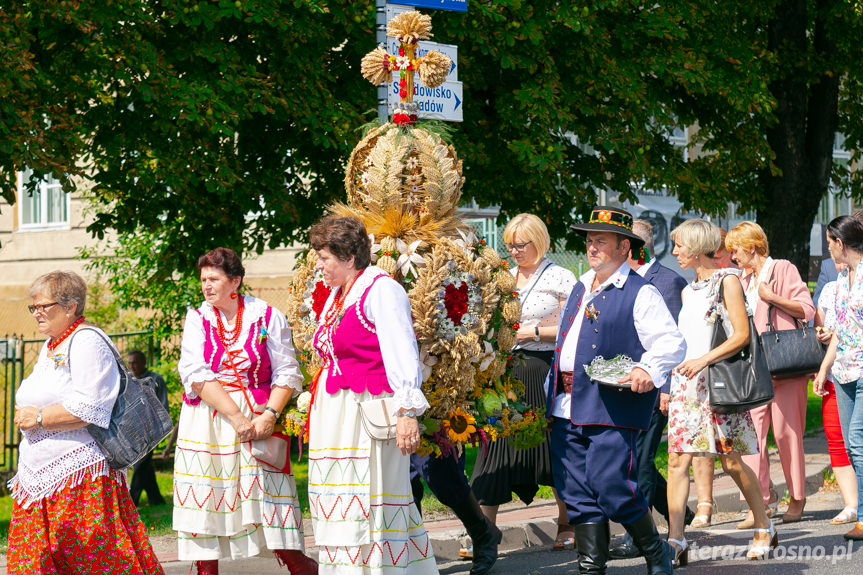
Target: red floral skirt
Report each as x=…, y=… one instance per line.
x=89, y=528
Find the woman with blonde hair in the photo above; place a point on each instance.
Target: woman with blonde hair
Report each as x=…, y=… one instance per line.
x=542, y=290
x=774, y=288
x=715, y=295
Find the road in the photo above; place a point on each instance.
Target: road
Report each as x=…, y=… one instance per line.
x=812, y=546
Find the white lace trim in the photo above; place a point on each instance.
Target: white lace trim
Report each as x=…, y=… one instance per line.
x=90, y=413
x=410, y=398
x=288, y=380
x=71, y=469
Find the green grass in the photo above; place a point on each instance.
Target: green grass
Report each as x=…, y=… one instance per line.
x=814, y=424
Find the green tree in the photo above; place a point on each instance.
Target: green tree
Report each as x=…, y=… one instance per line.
x=573, y=97
x=228, y=123
x=198, y=123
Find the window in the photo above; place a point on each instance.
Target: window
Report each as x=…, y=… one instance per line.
x=47, y=208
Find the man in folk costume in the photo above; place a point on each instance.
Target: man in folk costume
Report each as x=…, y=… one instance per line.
x=611, y=311
x=670, y=285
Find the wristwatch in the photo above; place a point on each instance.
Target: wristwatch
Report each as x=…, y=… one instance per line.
x=39, y=419
x=408, y=413
x=273, y=411
x=536, y=334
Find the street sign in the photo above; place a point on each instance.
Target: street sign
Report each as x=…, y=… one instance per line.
x=424, y=47
x=441, y=103
x=456, y=5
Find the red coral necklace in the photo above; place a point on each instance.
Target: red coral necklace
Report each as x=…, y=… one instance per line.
x=335, y=312
x=53, y=343
x=238, y=325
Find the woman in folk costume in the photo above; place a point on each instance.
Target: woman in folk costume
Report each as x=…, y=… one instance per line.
x=365, y=519
x=71, y=512
x=238, y=369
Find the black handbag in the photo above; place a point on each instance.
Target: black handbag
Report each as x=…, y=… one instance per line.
x=139, y=421
x=791, y=352
x=740, y=382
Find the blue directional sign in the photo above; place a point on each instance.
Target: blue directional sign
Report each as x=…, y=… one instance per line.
x=441, y=103
x=456, y=5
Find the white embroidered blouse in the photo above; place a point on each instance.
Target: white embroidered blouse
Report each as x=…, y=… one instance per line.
x=387, y=306
x=86, y=387
x=283, y=360
x=542, y=298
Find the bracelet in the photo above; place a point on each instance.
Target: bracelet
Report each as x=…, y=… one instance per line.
x=275, y=413
x=408, y=413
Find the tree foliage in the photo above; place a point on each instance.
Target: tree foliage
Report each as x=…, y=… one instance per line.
x=213, y=122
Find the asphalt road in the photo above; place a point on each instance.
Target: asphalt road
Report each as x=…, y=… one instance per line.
x=812, y=546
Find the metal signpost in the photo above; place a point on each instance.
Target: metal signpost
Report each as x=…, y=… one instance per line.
x=444, y=102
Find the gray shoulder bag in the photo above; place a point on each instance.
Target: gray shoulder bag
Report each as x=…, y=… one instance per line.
x=139, y=421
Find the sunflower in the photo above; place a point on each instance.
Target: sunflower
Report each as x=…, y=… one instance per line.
x=460, y=425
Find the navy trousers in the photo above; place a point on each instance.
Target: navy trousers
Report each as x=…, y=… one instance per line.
x=595, y=472
x=444, y=476
x=651, y=482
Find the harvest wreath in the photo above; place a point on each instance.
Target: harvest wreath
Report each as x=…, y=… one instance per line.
x=404, y=182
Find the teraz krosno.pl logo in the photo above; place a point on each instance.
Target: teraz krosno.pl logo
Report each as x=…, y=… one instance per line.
x=834, y=553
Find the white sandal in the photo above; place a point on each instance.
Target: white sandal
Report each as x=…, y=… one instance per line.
x=761, y=551
x=701, y=519
x=681, y=557
x=847, y=515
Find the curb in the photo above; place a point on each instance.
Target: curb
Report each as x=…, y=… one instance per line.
x=535, y=526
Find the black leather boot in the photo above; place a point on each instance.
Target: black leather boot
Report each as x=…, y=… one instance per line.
x=656, y=552
x=591, y=541
x=626, y=549
x=483, y=534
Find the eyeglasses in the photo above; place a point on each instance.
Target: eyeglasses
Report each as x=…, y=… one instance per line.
x=41, y=308
x=517, y=247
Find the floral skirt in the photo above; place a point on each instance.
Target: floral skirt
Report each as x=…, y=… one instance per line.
x=363, y=512
x=694, y=428
x=90, y=528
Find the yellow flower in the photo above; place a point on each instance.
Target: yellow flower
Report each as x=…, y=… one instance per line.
x=490, y=431
x=460, y=425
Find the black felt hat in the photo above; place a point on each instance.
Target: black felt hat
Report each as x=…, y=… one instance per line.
x=610, y=219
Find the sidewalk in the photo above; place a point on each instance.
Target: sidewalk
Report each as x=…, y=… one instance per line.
x=535, y=525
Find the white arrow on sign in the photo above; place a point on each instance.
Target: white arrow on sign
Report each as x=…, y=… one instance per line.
x=441, y=103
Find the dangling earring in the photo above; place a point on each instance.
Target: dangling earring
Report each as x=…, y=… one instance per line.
x=234, y=295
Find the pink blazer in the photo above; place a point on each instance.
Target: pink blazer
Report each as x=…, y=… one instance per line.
x=789, y=285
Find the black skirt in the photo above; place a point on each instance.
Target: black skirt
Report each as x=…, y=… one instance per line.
x=504, y=470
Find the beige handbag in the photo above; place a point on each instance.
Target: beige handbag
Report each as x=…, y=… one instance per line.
x=377, y=418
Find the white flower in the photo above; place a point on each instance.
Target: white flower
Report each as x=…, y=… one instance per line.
x=304, y=401
x=375, y=248
x=487, y=356
x=411, y=163
x=427, y=361
x=408, y=257
x=403, y=62
x=467, y=239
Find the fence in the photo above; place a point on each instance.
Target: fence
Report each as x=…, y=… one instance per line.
x=18, y=356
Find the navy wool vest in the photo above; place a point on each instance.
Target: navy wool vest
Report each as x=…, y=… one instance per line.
x=611, y=333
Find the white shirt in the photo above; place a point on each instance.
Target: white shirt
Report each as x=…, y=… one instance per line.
x=664, y=347
x=643, y=269
x=86, y=386
x=280, y=347
x=387, y=307
x=542, y=298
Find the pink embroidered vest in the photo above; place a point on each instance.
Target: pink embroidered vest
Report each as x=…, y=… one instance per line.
x=359, y=365
x=259, y=372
